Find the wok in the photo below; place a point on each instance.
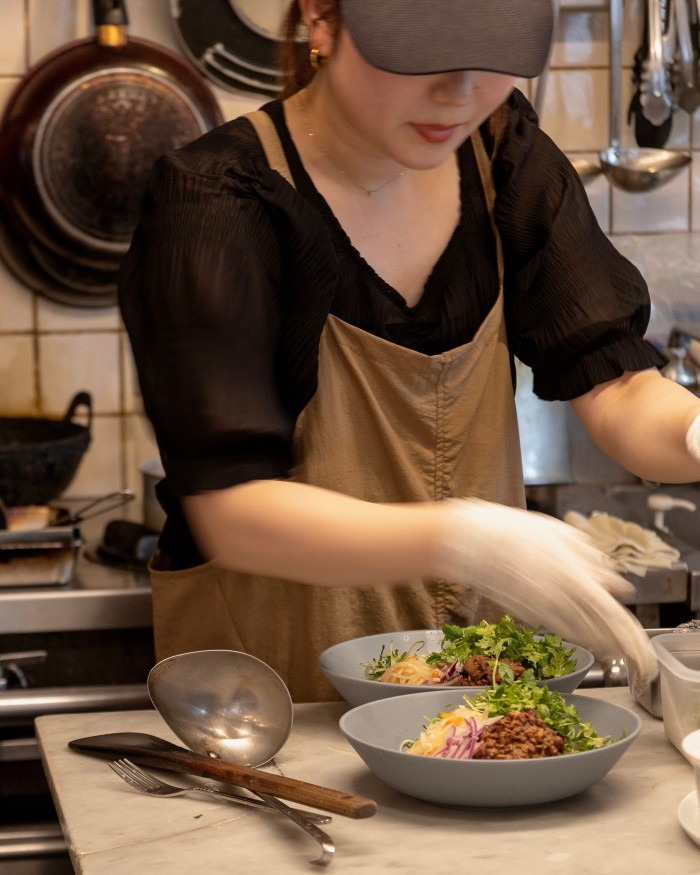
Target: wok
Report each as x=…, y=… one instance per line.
x=78, y=138
x=39, y=457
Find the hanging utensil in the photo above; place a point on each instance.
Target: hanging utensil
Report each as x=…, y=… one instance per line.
x=632, y=170
x=654, y=87
x=687, y=92
x=647, y=134
x=694, y=21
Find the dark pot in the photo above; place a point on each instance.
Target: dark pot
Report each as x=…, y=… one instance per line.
x=39, y=457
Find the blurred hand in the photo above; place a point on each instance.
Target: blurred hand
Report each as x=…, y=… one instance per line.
x=547, y=574
x=692, y=439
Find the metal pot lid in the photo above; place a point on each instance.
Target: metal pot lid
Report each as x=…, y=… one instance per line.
x=233, y=42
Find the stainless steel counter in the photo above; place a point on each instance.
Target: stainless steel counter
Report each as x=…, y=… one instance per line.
x=99, y=597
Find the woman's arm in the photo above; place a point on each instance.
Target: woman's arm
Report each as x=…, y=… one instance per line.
x=539, y=568
x=300, y=532
x=641, y=421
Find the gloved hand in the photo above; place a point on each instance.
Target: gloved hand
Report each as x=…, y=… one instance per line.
x=692, y=439
x=547, y=574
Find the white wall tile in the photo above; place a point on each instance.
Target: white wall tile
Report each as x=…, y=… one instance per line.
x=575, y=109
x=17, y=383
x=582, y=40
x=13, y=57
x=16, y=303
x=69, y=363
x=53, y=316
x=53, y=24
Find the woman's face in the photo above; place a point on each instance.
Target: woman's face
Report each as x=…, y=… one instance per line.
x=417, y=121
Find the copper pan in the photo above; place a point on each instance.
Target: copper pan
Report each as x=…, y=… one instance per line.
x=80, y=134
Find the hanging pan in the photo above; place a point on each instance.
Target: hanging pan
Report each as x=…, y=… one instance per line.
x=235, y=43
x=78, y=138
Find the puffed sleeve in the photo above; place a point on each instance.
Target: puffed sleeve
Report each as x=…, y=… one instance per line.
x=577, y=310
x=202, y=298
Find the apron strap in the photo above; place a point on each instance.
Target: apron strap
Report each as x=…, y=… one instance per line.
x=270, y=142
x=484, y=165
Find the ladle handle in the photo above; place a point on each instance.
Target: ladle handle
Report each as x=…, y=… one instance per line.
x=147, y=750
x=615, y=72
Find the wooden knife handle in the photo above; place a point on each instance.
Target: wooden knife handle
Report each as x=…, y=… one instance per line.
x=160, y=754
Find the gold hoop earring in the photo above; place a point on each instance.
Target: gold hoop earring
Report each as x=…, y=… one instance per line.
x=314, y=60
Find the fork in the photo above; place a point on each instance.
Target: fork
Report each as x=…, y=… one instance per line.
x=147, y=783
x=307, y=820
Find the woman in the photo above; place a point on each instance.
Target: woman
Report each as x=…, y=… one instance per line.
x=324, y=335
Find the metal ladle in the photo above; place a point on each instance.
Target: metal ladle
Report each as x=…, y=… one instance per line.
x=632, y=170
x=229, y=705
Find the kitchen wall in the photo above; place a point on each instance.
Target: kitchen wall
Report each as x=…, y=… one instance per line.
x=49, y=351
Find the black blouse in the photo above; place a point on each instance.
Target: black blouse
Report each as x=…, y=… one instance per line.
x=232, y=272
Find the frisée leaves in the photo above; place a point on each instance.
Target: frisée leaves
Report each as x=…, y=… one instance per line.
x=544, y=655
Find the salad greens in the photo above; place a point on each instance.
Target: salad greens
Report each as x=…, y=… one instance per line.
x=542, y=656
x=545, y=656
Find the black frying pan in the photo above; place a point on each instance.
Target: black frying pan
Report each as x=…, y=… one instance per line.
x=78, y=138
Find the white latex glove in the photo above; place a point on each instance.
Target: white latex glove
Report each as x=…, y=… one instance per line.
x=548, y=574
x=692, y=439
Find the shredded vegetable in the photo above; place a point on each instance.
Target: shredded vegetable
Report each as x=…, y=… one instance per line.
x=411, y=670
x=451, y=735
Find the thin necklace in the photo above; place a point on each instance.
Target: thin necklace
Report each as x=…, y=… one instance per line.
x=368, y=191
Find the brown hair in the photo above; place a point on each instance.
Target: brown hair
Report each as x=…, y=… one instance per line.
x=293, y=56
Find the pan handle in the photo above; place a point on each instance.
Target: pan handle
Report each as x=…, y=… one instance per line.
x=115, y=499
x=111, y=22
x=109, y=13
x=80, y=399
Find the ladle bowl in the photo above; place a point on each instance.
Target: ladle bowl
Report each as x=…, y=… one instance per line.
x=223, y=704
x=640, y=170
x=586, y=170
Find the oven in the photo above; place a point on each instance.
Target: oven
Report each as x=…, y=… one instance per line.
x=83, y=646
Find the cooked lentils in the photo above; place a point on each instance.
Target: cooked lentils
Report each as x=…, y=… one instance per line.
x=478, y=672
x=517, y=736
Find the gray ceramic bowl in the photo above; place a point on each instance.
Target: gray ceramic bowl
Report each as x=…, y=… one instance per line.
x=342, y=664
x=377, y=729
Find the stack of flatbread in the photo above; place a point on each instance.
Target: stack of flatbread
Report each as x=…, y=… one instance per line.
x=632, y=548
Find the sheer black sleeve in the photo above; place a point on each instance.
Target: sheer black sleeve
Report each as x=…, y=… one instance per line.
x=577, y=309
x=204, y=293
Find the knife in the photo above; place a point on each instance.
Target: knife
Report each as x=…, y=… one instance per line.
x=148, y=750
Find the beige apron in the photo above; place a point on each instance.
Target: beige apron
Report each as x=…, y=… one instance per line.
x=386, y=424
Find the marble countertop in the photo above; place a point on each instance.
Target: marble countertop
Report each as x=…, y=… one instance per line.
x=626, y=823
